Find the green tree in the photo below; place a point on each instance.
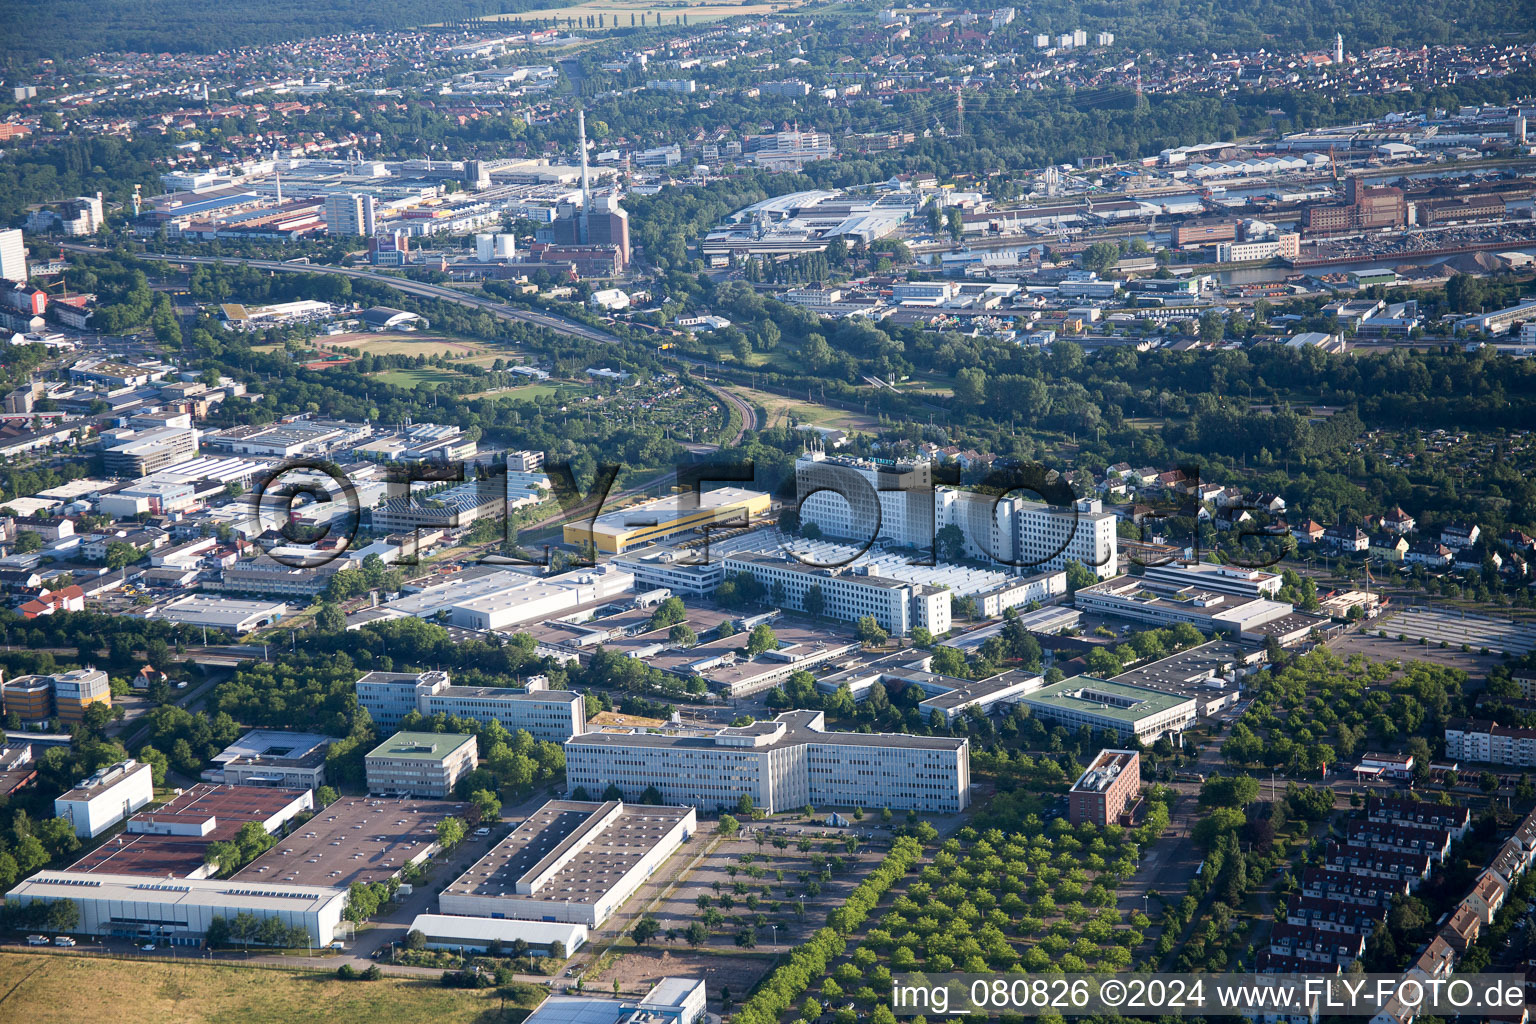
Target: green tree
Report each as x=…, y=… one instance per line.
x=762, y=639
x=450, y=832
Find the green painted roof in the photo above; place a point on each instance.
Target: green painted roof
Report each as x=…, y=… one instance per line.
x=1139, y=701
x=424, y=746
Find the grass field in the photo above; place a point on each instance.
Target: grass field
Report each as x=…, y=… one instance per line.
x=415, y=377
x=529, y=392
x=617, y=15
x=414, y=345
x=66, y=990
x=793, y=412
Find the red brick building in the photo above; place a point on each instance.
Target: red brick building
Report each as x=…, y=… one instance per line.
x=1106, y=789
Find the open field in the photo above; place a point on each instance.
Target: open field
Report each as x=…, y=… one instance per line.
x=617, y=15
x=413, y=345
x=414, y=377
x=530, y=392
x=54, y=989
x=794, y=411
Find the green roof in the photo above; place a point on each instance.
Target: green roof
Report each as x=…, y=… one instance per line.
x=1139, y=701
x=423, y=746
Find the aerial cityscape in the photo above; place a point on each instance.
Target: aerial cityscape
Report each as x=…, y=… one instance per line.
x=779, y=512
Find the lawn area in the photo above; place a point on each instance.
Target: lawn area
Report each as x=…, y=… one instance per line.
x=795, y=411
x=65, y=989
x=415, y=376
x=531, y=392
x=409, y=344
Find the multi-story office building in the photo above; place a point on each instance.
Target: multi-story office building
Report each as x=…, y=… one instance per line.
x=350, y=214
x=1047, y=537
x=863, y=500
x=420, y=763
x=789, y=762
x=1102, y=793
x=106, y=798
x=36, y=698
x=150, y=451
x=897, y=504
x=849, y=594
x=554, y=715
x=13, y=256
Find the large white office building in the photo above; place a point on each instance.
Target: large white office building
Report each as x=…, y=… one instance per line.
x=898, y=505
x=781, y=764
x=849, y=593
x=505, y=599
x=554, y=715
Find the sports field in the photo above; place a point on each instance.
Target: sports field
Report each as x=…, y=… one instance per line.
x=413, y=345
x=50, y=989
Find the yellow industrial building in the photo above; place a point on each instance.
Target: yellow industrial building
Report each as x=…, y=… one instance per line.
x=613, y=533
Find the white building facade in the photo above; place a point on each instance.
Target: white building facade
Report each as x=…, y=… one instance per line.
x=786, y=763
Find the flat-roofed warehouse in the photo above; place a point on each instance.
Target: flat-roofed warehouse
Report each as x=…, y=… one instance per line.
x=355, y=839
x=181, y=910
x=616, y=532
x=224, y=613
x=455, y=931
x=570, y=861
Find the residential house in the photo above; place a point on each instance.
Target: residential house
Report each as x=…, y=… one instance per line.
x=1309, y=531
x=1430, y=553
x=1389, y=547
x=1398, y=521
x=69, y=599
x=1346, y=539
x=1462, y=930
x=1459, y=536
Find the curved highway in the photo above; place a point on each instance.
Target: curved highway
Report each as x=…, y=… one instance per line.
x=550, y=321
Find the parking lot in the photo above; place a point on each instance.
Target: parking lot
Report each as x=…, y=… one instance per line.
x=1499, y=636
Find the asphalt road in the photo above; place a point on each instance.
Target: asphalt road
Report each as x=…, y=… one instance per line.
x=551, y=321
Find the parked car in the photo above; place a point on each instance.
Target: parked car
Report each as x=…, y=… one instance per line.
x=148, y=947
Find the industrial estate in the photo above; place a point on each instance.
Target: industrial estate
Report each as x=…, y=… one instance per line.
x=720, y=514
